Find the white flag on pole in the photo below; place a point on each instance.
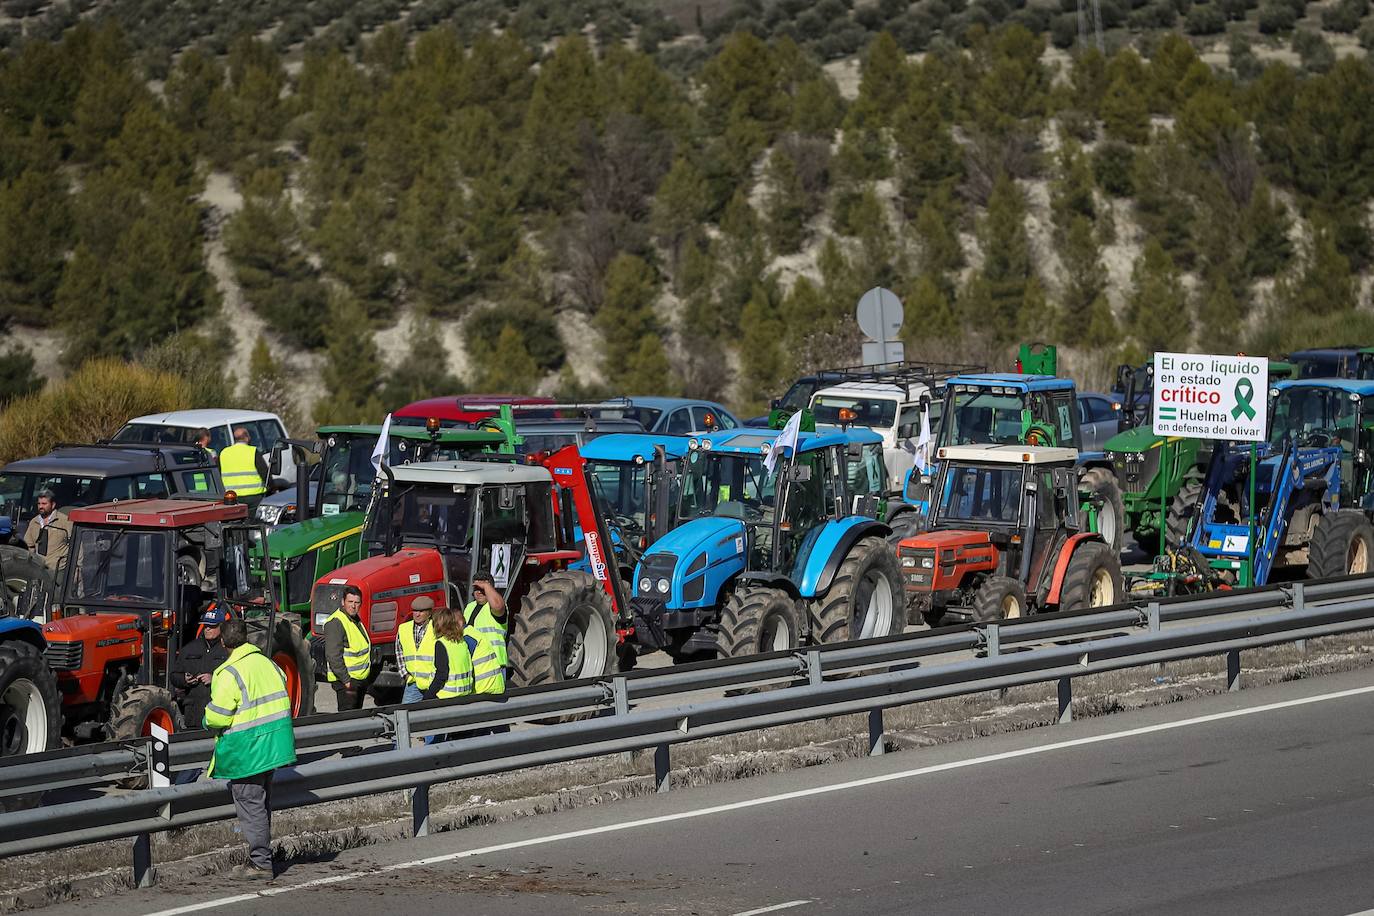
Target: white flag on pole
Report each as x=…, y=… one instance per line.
x=786, y=439
x=923, y=444
x=383, y=447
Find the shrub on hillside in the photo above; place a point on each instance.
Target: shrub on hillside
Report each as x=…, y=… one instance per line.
x=1366, y=35
x=1316, y=53
x=1345, y=16
x=1276, y=16
x=1206, y=19
x=93, y=403
x=1113, y=167
x=540, y=333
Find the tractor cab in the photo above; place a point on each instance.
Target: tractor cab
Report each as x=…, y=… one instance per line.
x=432, y=526
x=1007, y=537
x=138, y=577
x=636, y=481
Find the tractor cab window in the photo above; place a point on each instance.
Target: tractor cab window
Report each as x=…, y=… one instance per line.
x=202, y=482
x=439, y=515
x=877, y=413
x=241, y=580
x=1313, y=417
x=982, y=494
x=1048, y=518
x=622, y=489
x=347, y=472
x=865, y=471
x=119, y=566
x=12, y=492
x=1062, y=414
x=982, y=416
x=516, y=519
x=730, y=485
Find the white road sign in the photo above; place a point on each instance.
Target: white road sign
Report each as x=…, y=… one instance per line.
x=1198, y=396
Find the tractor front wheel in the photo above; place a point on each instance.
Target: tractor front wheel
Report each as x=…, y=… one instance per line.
x=30, y=711
x=564, y=630
x=866, y=598
x=1100, y=487
x=1342, y=545
x=292, y=655
x=133, y=714
x=999, y=598
x=1092, y=579
x=757, y=620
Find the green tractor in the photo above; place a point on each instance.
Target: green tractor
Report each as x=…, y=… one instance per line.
x=1160, y=479
x=326, y=532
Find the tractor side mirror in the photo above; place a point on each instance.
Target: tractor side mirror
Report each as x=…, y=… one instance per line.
x=801, y=473
x=274, y=463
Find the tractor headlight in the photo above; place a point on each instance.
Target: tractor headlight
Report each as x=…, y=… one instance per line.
x=908, y=561
x=663, y=586
x=269, y=514
x=321, y=620
x=927, y=562
x=645, y=584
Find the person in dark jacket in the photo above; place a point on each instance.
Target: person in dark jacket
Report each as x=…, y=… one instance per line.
x=194, y=664
x=348, y=651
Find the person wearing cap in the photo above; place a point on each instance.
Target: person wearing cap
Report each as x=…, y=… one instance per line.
x=194, y=665
x=485, y=616
x=415, y=642
x=48, y=533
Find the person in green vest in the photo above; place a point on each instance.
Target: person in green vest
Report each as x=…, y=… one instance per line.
x=488, y=618
x=348, y=651
x=242, y=467
x=250, y=714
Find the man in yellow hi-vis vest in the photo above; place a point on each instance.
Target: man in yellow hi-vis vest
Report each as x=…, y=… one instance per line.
x=250, y=713
x=415, y=650
x=348, y=651
x=485, y=615
x=242, y=467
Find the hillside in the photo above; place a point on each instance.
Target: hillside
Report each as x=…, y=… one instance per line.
x=331, y=207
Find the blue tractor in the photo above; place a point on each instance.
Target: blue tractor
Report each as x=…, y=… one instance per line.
x=768, y=552
x=1007, y=408
x=1312, y=493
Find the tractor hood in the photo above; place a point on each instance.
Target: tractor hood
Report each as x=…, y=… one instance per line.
x=939, y=540
x=390, y=584
x=88, y=627
x=1138, y=439
x=695, y=559
x=298, y=538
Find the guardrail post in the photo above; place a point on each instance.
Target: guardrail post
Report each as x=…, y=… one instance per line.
x=1300, y=605
x=159, y=773
x=876, y=744
x=1152, y=623
x=620, y=693
x=992, y=634
x=813, y=668
x=662, y=767
x=1233, y=670
x=419, y=796
x=145, y=875
x=1065, y=700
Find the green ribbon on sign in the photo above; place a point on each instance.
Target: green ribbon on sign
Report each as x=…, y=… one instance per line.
x=1245, y=391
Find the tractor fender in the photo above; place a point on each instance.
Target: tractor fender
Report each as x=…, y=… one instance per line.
x=1061, y=563
x=770, y=580
x=828, y=549
x=15, y=629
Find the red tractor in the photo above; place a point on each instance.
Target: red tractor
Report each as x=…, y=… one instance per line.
x=1006, y=538
x=139, y=574
x=432, y=526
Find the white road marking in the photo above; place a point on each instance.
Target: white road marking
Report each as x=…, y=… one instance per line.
x=782, y=797
x=774, y=908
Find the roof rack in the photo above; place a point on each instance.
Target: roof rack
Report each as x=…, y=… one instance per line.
x=584, y=408
x=901, y=373
x=154, y=449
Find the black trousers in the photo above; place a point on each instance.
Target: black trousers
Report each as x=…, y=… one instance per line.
x=347, y=699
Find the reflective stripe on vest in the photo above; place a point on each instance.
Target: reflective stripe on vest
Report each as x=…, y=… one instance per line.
x=357, y=651
x=262, y=692
x=492, y=629
x=459, y=683
x=488, y=674
x=417, y=661
x=238, y=468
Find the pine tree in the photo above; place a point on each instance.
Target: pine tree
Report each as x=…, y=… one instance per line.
x=1164, y=176
x=627, y=316
x=1325, y=284
x=1125, y=106
x=18, y=374
x=190, y=87
x=929, y=159
x=35, y=232
x=883, y=84
x=930, y=325
x=648, y=369
x=680, y=206
x=1036, y=313
x=352, y=372
x=149, y=147
x=1072, y=193
x=1083, y=280
x=786, y=206
x=763, y=366
x=431, y=246
x=1158, y=306
x=818, y=109
x=1006, y=258
x=347, y=242
x=424, y=370
x=269, y=385
x=1265, y=227
x=109, y=92
x=941, y=254
x=565, y=97
x=739, y=257
x=509, y=367
x=1221, y=316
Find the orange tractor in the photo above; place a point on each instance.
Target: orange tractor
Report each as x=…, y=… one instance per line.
x=139, y=574
x=1007, y=538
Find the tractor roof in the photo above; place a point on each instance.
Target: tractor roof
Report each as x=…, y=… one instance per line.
x=628, y=447
x=159, y=513
x=415, y=433
x=1013, y=380
x=1009, y=454
x=1357, y=386
x=471, y=473
x=204, y=417
x=101, y=461
x=753, y=441
x=1348, y=350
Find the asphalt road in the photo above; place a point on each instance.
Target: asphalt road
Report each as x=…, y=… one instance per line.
x=1258, y=802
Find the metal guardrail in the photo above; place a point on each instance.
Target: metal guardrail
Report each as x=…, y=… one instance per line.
x=113, y=761
x=890, y=676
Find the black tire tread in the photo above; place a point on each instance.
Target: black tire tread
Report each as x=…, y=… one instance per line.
x=21, y=659
x=1327, y=552
x=1076, y=590
x=16, y=562
x=743, y=614
x=1181, y=509
x=532, y=645
x=289, y=633
x=987, y=601
x=1102, y=483
x=831, y=612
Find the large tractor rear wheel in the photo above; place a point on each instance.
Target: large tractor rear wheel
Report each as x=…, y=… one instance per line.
x=999, y=598
x=29, y=585
x=30, y=711
x=1102, y=490
x=1181, y=510
x=866, y=598
x=564, y=630
x=903, y=525
x=1093, y=578
x=756, y=620
x=291, y=653
x=1342, y=545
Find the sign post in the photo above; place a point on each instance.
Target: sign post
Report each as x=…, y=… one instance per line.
x=880, y=318
x=1198, y=396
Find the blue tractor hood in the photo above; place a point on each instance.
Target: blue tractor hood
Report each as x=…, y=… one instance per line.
x=697, y=559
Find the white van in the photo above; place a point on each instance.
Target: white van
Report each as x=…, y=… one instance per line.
x=890, y=409
x=179, y=427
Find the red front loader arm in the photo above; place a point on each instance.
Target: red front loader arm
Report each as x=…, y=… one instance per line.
x=569, y=472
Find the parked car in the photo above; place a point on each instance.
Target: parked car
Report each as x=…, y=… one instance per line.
x=179, y=428
x=680, y=416
x=1099, y=418
x=458, y=411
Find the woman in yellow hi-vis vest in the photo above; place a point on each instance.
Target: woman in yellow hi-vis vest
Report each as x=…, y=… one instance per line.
x=348, y=651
